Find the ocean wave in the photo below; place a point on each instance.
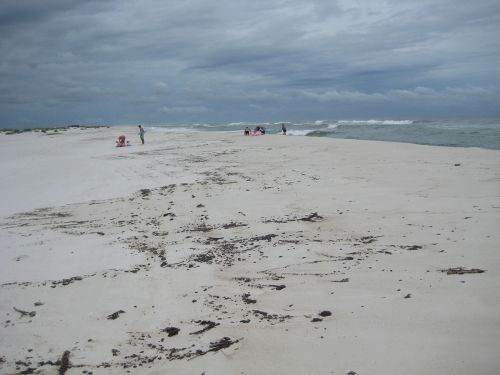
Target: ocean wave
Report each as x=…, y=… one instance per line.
x=171, y=129
x=320, y=122
x=204, y=126
x=238, y=124
x=299, y=131
x=464, y=133
x=376, y=122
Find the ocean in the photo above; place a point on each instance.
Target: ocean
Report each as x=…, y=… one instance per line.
x=453, y=133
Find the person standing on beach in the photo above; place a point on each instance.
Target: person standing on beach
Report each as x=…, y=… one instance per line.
x=141, y=133
x=283, y=129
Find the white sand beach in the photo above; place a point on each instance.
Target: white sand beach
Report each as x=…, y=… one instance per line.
x=215, y=253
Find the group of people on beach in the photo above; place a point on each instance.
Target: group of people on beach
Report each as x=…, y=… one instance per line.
x=121, y=139
x=261, y=130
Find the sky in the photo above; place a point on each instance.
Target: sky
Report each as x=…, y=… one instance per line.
x=195, y=61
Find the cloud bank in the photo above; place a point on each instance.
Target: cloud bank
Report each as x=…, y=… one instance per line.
x=157, y=62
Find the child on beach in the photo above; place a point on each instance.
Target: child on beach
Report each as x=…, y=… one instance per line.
x=259, y=130
x=141, y=133
x=247, y=131
x=283, y=129
x=121, y=141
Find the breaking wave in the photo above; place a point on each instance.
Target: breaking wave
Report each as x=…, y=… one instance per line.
x=376, y=122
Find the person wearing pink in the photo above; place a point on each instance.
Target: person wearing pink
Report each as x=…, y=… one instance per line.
x=121, y=141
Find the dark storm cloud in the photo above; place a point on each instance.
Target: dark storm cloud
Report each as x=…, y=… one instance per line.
x=161, y=62
x=14, y=14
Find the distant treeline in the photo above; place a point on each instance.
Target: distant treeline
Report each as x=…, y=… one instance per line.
x=50, y=130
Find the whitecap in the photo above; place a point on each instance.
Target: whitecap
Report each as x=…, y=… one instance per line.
x=172, y=129
x=375, y=122
x=299, y=132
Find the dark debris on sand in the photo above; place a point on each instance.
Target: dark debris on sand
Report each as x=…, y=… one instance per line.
x=277, y=287
x=246, y=298
x=271, y=318
x=115, y=315
x=23, y=313
x=172, y=354
x=65, y=365
x=216, y=244
x=462, y=270
x=368, y=239
x=171, y=331
x=345, y=280
x=223, y=343
x=207, y=324
x=234, y=225
x=67, y=281
x=145, y=192
x=411, y=247
x=313, y=217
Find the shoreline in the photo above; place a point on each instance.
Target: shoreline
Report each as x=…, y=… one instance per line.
x=53, y=130
x=220, y=250
x=293, y=132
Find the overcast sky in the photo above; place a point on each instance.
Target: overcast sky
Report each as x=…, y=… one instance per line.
x=199, y=61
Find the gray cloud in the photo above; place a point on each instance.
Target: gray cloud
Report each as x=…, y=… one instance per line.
x=161, y=62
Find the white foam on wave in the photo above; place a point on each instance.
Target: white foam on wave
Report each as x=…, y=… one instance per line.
x=299, y=132
x=376, y=122
x=171, y=129
x=204, y=125
x=333, y=126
